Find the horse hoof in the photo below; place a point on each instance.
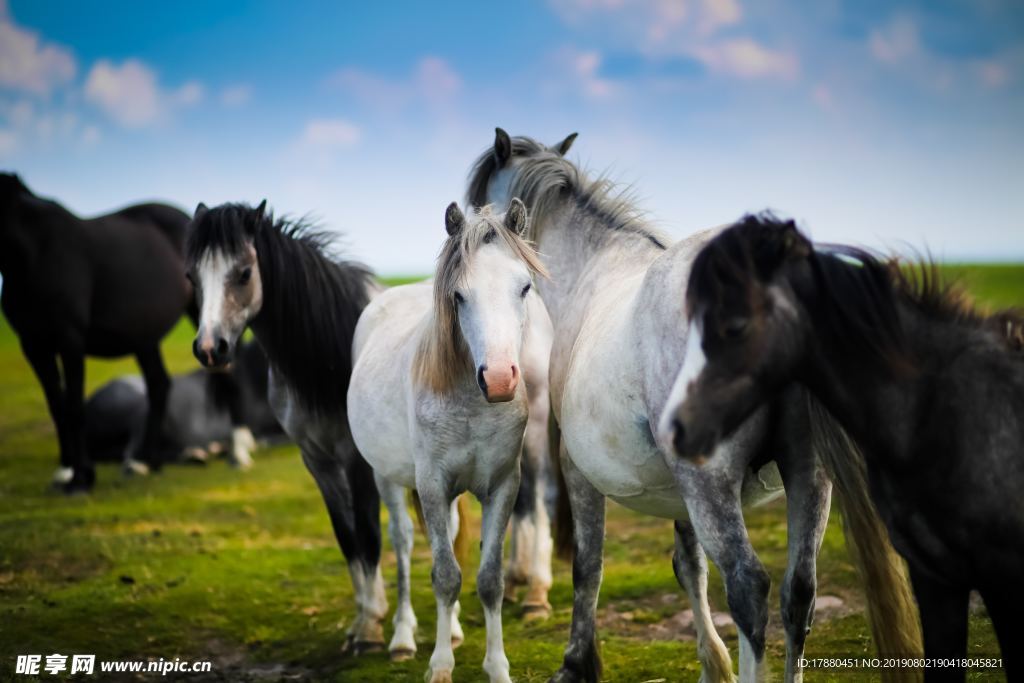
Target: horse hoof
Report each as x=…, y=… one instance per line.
x=135, y=468
x=439, y=676
x=536, y=612
x=62, y=476
x=402, y=654
x=564, y=676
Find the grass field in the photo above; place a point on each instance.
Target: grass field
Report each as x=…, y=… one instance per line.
x=242, y=569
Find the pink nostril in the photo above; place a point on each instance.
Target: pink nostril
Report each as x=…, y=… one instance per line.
x=515, y=371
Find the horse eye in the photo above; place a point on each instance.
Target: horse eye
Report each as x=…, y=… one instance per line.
x=459, y=299
x=243, y=277
x=526, y=290
x=190, y=277
x=734, y=328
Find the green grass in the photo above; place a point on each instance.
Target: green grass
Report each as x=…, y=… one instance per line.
x=242, y=568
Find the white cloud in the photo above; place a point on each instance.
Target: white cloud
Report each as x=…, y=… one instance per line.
x=235, y=95
x=746, y=58
x=328, y=134
x=131, y=95
x=28, y=64
x=433, y=81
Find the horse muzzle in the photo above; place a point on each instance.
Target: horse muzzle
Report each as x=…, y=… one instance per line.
x=498, y=382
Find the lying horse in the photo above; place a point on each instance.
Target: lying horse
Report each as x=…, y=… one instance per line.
x=198, y=418
x=930, y=391
x=436, y=404
x=108, y=286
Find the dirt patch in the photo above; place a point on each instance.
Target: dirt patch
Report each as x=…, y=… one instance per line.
x=653, y=618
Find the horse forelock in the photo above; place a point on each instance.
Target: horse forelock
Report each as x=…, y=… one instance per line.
x=441, y=360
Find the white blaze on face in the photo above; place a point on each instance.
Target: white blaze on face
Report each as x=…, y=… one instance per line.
x=493, y=314
x=212, y=273
x=693, y=364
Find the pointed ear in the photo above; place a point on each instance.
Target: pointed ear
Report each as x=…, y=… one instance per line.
x=563, y=146
x=502, y=146
x=794, y=244
x=515, y=217
x=261, y=210
x=453, y=219
x=200, y=211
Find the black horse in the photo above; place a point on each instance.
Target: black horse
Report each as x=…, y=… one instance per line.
x=198, y=418
x=930, y=390
x=107, y=286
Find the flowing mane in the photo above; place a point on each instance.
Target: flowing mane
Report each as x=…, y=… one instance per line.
x=442, y=359
x=311, y=299
x=859, y=292
x=543, y=177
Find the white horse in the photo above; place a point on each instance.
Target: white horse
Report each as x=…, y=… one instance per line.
x=424, y=354
x=615, y=298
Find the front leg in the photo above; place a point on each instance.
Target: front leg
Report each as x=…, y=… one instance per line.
x=44, y=364
x=74, y=386
x=582, y=661
x=497, y=509
x=445, y=574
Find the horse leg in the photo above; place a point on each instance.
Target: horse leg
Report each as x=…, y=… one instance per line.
x=228, y=395
x=539, y=580
x=943, y=610
x=403, y=643
x=334, y=477
x=691, y=569
x=158, y=385
x=808, y=498
x=74, y=386
x=455, y=521
x=1006, y=609
x=445, y=574
x=44, y=364
x=582, y=662
x=497, y=508
x=713, y=503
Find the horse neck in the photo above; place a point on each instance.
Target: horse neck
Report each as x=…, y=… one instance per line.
x=585, y=256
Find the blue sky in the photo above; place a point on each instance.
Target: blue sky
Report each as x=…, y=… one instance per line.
x=880, y=123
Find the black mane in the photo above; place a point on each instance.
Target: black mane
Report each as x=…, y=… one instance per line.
x=311, y=301
x=856, y=293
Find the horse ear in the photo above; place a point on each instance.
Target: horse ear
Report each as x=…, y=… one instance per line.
x=563, y=146
x=453, y=219
x=502, y=146
x=794, y=244
x=261, y=210
x=200, y=211
x=515, y=217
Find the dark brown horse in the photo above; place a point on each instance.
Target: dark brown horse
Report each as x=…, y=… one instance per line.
x=107, y=286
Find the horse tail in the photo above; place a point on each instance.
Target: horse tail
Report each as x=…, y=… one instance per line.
x=892, y=610
x=563, y=511
x=460, y=545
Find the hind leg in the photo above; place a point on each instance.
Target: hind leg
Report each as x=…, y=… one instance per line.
x=1006, y=609
x=403, y=643
x=353, y=504
x=808, y=497
x=531, y=545
x=713, y=502
x=691, y=568
x=943, y=610
x=158, y=385
x=582, y=661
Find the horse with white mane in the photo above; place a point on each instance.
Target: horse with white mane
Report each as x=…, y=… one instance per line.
x=436, y=403
x=620, y=334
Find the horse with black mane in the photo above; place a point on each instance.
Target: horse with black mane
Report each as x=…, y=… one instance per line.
x=109, y=286
x=929, y=390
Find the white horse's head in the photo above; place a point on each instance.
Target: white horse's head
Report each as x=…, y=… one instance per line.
x=484, y=276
